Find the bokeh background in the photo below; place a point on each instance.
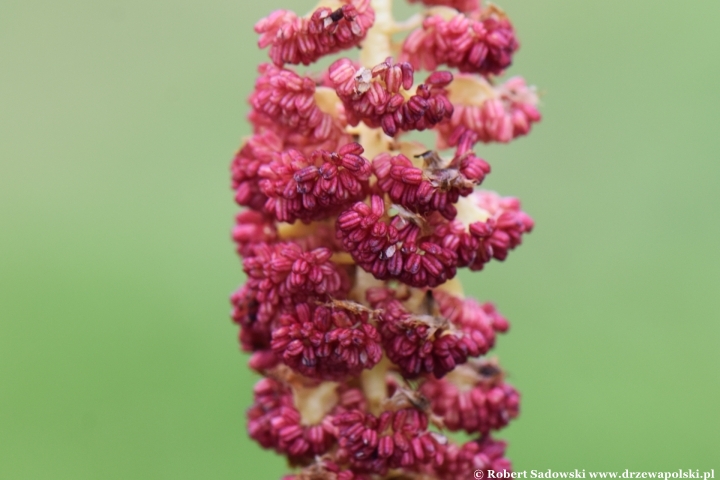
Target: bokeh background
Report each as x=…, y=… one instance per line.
x=118, y=120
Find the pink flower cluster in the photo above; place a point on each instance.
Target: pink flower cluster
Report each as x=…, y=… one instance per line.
x=436, y=186
x=460, y=5
x=326, y=343
x=426, y=251
x=508, y=113
x=294, y=39
x=304, y=188
x=373, y=96
x=483, y=42
x=352, y=235
x=274, y=421
x=435, y=342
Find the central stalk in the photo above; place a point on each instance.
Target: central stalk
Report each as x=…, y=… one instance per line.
x=377, y=45
x=376, y=49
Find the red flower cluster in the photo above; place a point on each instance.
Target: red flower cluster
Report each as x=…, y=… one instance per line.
x=460, y=5
x=284, y=102
x=434, y=187
x=325, y=342
x=375, y=98
x=294, y=39
x=437, y=339
x=352, y=235
x=481, y=455
x=313, y=188
x=326, y=470
x=257, y=151
x=370, y=444
x=508, y=112
x=274, y=421
x=252, y=228
x=396, y=248
x=474, y=398
x=427, y=252
x=283, y=273
x=481, y=43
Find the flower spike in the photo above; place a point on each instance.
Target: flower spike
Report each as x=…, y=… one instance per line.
x=352, y=235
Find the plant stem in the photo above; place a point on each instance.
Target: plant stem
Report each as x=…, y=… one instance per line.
x=377, y=45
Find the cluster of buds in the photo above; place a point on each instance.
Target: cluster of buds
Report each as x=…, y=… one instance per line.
x=352, y=236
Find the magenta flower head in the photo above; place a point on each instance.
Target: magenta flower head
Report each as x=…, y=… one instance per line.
x=352, y=235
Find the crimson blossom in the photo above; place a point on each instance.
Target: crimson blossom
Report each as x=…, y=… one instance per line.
x=352, y=236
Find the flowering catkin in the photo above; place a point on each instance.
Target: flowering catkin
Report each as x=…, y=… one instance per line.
x=352, y=235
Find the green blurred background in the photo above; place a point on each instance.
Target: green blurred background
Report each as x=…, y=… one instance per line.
x=118, y=120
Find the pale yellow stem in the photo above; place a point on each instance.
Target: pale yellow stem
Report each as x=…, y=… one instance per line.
x=453, y=287
x=342, y=258
x=447, y=13
x=374, y=385
x=327, y=101
x=314, y=403
x=466, y=90
x=364, y=281
x=373, y=140
x=377, y=47
x=469, y=212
